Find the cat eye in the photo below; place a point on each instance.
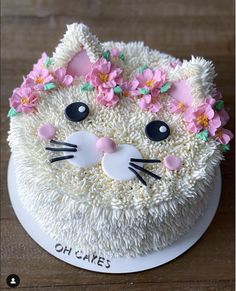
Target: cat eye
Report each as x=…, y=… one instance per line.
x=76, y=111
x=157, y=130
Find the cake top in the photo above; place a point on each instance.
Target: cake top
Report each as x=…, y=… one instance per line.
x=117, y=124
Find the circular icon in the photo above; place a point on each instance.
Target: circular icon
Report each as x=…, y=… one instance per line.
x=13, y=280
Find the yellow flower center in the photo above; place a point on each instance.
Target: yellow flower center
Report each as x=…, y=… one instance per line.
x=24, y=100
x=181, y=106
x=203, y=120
x=103, y=77
x=125, y=93
x=218, y=133
x=149, y=83
x=39, y=80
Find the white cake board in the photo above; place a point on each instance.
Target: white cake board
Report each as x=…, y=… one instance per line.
x=117, y=265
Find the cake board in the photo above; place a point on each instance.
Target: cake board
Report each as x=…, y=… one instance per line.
x=100, y=264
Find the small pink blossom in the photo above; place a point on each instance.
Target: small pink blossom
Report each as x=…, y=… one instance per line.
x=107, y=98
x=177, y=106
x=223, y=135
x=224, y=116
x=104, y=75
x=147, y=102
x=41, y=63
x=23, y=99
x=210, y=101
x=202, y=117
x=176, y=63
x=129, y=88
x=216, y=94
x=115, y=52
x=151, y=79
x=62, y=78
x=38, y=78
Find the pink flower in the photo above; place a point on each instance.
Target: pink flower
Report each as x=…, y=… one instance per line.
x=216, y=94
x=203, y=117
x=210, y=101
x=175, y=63
x=62, y=78
x=223, y=135
x=41, y=64
x=104, y=75
x=177, y=106
x=115, y=53
x=151, y=79
x=148, y=103
x=38, y=78
x=224, y=116
x=129, y=88
x=23, y=99
x=107, y=98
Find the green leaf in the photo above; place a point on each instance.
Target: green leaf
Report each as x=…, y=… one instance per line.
x=224, y=148
x=143, y=68
x=165, y=87
x=12, y=112
x=107, y=55
x=203, y=135
x=122, y=56
x=117, y=90
x=49, y=86
x=143, y=91
x=87, y=87
x=48, y=62
x=219, y=105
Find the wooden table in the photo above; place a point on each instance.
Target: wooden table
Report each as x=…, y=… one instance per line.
x=181, y=28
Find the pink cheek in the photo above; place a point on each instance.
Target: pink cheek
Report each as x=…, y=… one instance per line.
x=172, y=163
x=46, y=131
x=106, y=145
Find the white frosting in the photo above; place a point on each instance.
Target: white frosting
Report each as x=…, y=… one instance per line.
x=116, y=165
x=86, y=208
x=77, y=37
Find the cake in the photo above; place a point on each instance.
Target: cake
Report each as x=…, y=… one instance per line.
x=116, y=145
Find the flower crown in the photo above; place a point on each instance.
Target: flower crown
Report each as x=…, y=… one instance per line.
x=206, y=120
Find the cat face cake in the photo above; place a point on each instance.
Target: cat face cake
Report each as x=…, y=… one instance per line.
x=115, y=145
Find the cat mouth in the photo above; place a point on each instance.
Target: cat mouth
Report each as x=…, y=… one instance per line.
x=124, y=162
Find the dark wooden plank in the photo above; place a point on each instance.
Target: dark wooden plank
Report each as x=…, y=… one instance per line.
x=176, y=286
x=23, y=249
x=117, y=9
x=189, y=35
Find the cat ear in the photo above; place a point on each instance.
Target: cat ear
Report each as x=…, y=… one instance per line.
x=77, y=50
x=192, y=82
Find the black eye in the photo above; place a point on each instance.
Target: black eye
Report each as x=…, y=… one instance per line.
x=157, y=130
x=77, y=111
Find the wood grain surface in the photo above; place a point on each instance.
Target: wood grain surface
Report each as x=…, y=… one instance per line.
x=182, y=28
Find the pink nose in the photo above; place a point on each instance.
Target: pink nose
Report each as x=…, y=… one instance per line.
x=172, y=163
x=106, y=145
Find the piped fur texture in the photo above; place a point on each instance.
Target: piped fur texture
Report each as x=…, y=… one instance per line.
x=86, y=208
